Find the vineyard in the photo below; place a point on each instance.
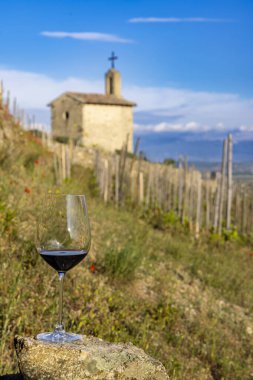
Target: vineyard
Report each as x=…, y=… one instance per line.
x=202, y=201
x=153, y=277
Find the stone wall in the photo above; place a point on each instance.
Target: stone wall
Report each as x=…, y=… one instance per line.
x=66, y=119
x=107, y=126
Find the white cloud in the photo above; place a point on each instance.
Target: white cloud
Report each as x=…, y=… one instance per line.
x=90, y=36
x=35, y=90
x=175, y=20
x=246, y=128
x=159, y=109
x=178, y=127
x=178, y=108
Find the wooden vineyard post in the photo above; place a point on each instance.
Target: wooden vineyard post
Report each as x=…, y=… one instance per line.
x=230, y=183
x=20, y=117
x=159, y=188
x=169, y=190
x=63, y=161
x=141, y=188
x=191, y=198
x=7, y=104
x=68, y=162
x=148, y=192
x=101, y=178
x=43, y=133
x=136, y=147
x=133, y=185
x=138, y=180
x=14, y=107
x=155, y=187
x=71, y=150
x=198, y=211
x=117, y=179
x=207, y=193
x=217, y=202
x=122, y=166
x=46, y=139
x=185, y=191
x=175, y=190
x=50, y=141
x=222, y=185
x=244, y=209
x=97, y=160
x=180, y=188
x=56, y=169
x=250, y=221
x=106, y=181
x=237, y=206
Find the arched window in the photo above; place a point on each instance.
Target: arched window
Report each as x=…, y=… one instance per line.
x=65, y=115
x=111, y=86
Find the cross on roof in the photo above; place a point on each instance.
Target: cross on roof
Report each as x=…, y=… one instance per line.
x=112, y=59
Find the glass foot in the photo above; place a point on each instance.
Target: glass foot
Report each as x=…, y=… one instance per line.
x=58, y=337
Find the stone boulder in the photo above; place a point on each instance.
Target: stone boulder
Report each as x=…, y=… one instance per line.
x=89, y=358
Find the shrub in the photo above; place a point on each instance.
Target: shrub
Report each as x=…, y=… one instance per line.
x=122, y=264
x=62, y=139
x=169, y=162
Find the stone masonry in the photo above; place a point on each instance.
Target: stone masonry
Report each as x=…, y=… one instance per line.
x=95, y=120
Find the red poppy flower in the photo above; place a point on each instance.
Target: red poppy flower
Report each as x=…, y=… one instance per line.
x=36, y=162
x=92, y=268
x=27, y=190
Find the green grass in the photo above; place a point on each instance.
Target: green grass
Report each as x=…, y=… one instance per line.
x=187, y=303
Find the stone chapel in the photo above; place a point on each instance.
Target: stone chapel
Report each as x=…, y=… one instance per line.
x=95, y=120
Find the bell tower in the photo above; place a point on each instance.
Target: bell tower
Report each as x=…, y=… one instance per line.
x=113, y=79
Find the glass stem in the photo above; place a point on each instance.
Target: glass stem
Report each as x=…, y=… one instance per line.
x=60, y=323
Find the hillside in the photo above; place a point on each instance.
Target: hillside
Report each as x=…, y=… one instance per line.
x=187, y=303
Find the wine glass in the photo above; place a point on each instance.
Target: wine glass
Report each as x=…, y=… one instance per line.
x=63, y=240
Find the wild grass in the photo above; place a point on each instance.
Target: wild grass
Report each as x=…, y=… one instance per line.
x=122, y=263
x=146, y=280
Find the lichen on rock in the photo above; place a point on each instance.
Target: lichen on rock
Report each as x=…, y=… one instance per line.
x=89, y=358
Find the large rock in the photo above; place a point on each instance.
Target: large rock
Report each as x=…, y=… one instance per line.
x=90, y=358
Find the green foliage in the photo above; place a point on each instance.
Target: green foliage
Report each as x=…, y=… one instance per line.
x=170, y=218
x=231, y=234
x=162, y=220
x=122, y=263
x=62, y=139
x=29, y=160
x=226, y=235
x=128, y=154
x=36, y=132
x=143, y=155
x=169, y=162
x=93, y=185
x=7, y=218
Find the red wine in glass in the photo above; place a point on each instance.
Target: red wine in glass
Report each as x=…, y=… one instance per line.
x=63, y=241
x=62, y=261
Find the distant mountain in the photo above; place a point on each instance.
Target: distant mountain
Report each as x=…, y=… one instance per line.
x=239, y=168
x=159, y=146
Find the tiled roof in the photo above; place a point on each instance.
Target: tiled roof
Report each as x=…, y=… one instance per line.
x=96, y=99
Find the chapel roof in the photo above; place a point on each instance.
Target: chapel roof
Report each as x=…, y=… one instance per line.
x=91, y=98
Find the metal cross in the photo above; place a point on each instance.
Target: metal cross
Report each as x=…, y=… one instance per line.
x=112, y=59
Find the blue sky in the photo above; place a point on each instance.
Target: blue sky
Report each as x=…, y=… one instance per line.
x=187, y=64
